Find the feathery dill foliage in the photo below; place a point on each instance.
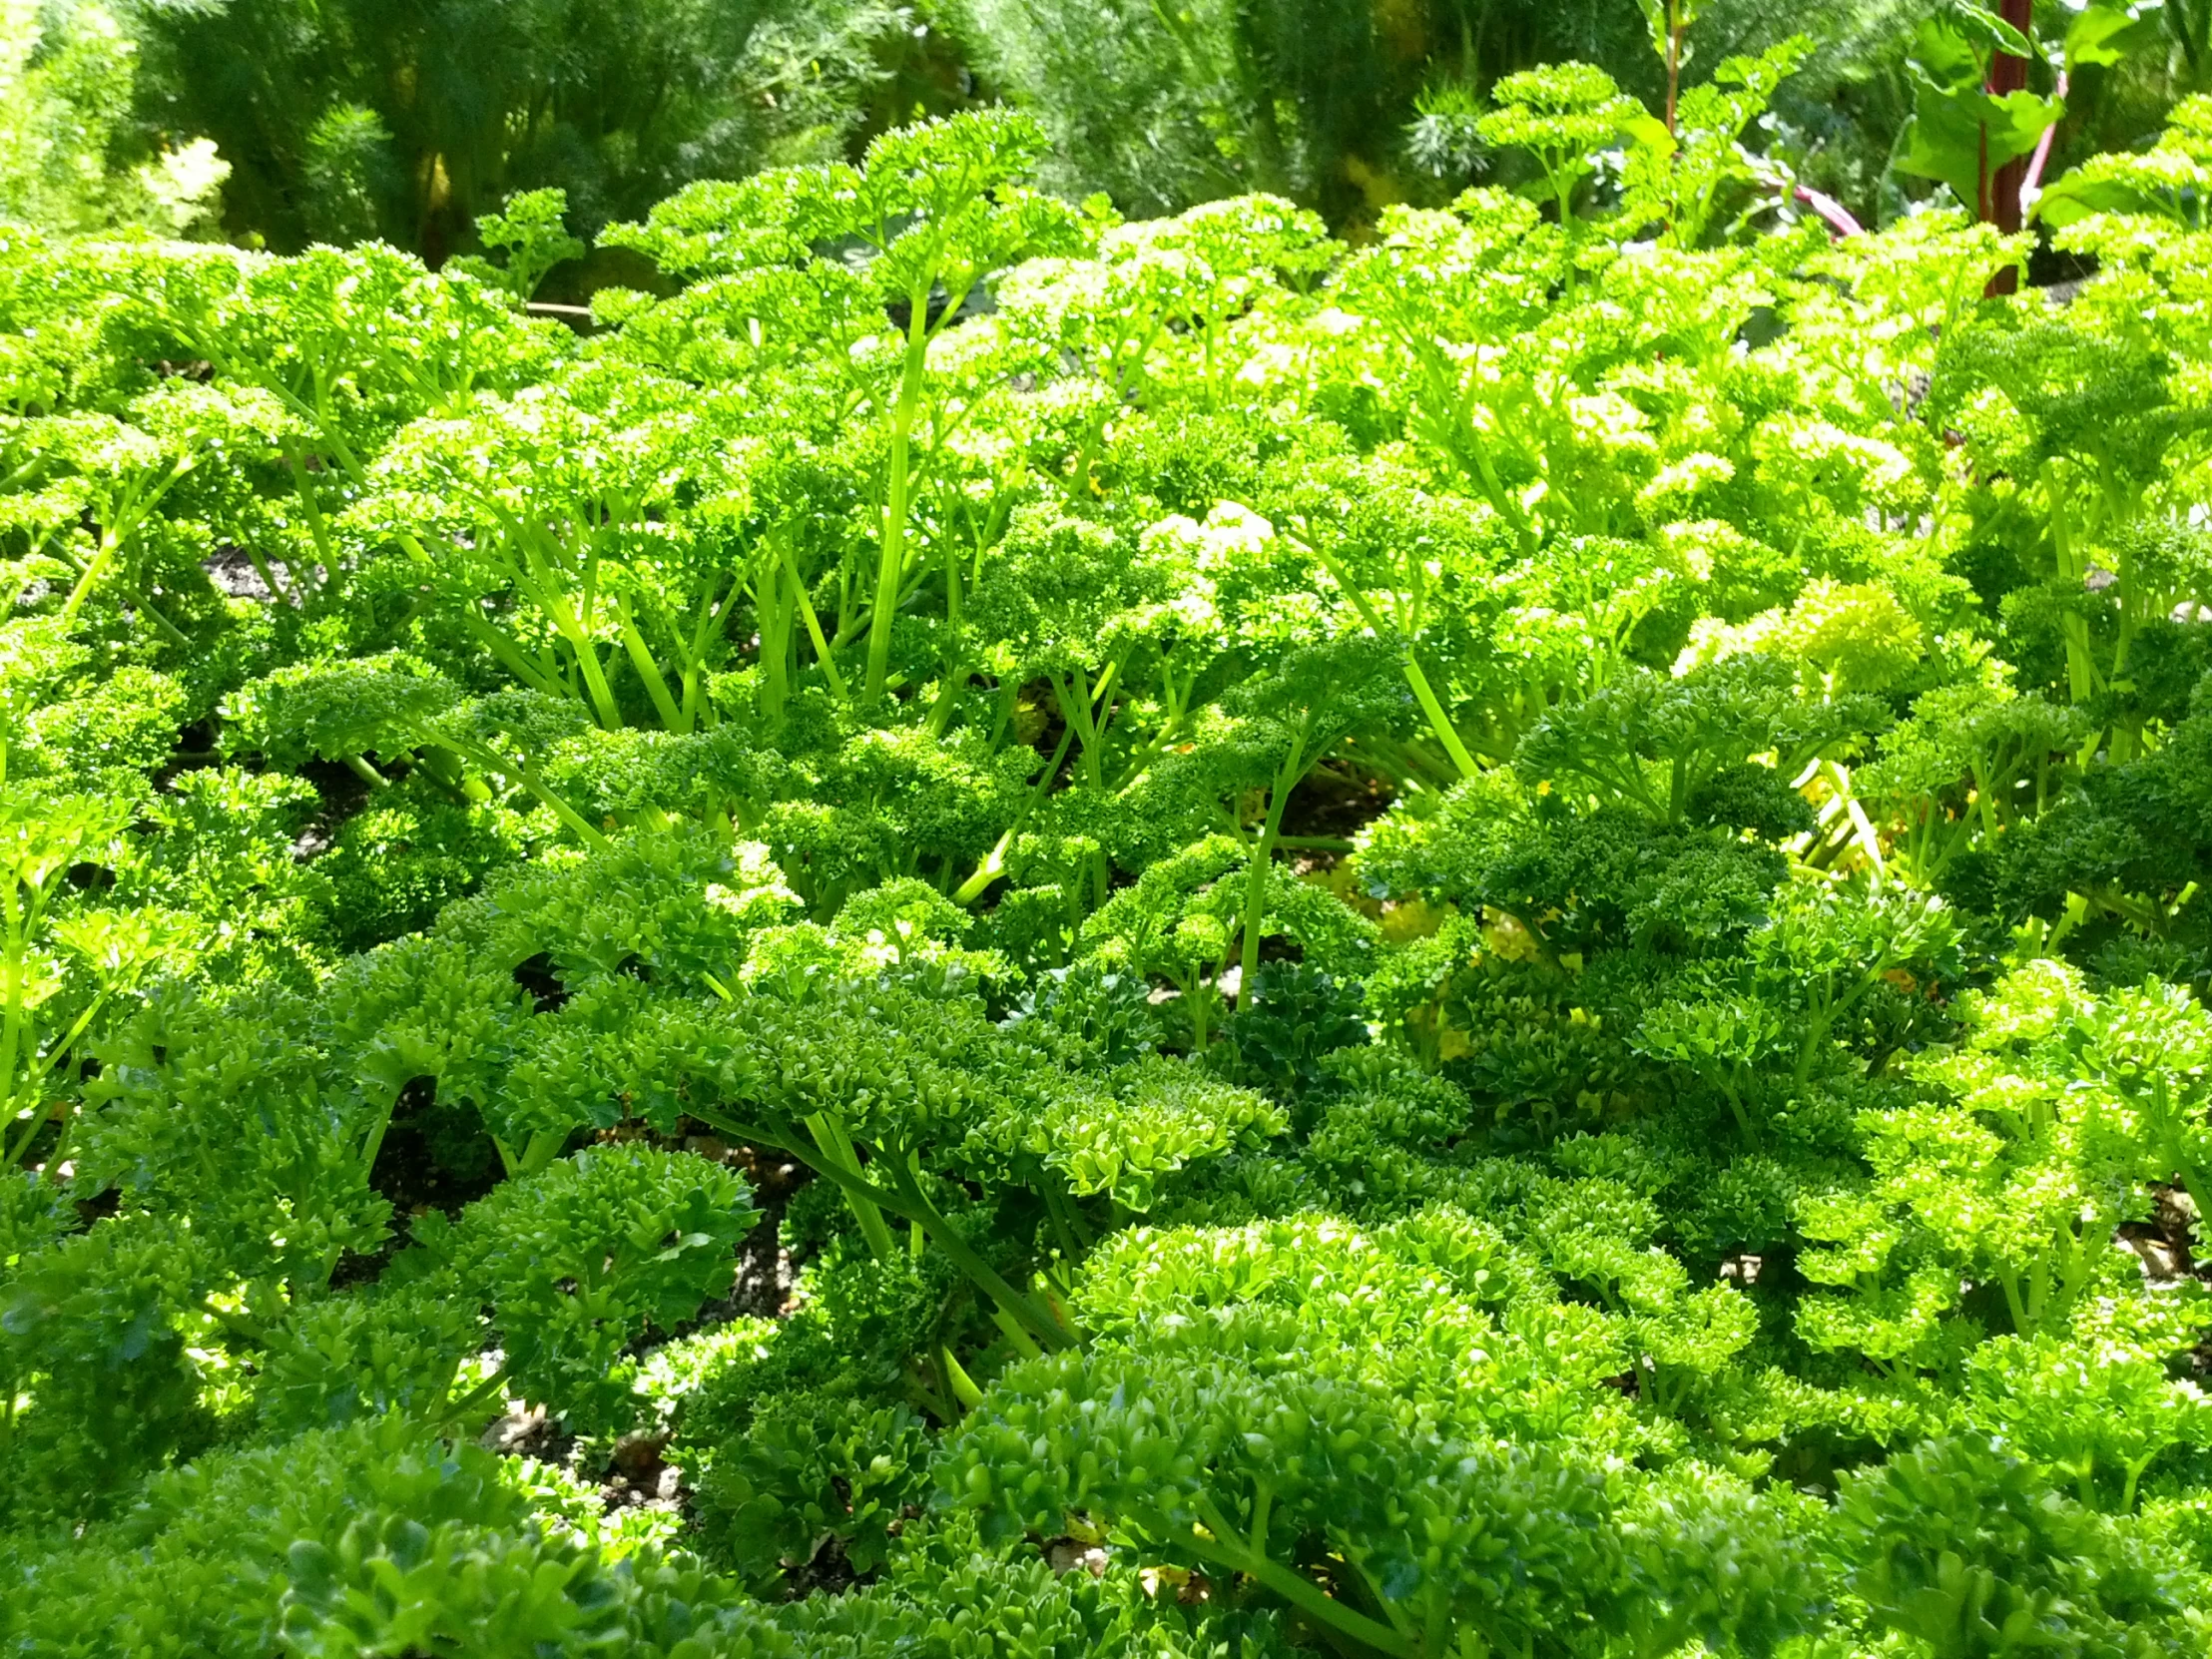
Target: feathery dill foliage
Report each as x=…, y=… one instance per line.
x=996, y=932
x=370, y=119
x=70, y=154
x=1350, y=107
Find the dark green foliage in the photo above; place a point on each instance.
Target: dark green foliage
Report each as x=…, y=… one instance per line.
x=91, y=1324
x=1345, y=107
x=405, y=123
x=397, y=865
x=1296, y=1019
x=1110, y=1014
x=810, y=1471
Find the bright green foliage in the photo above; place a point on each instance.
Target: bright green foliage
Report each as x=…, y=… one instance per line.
x=2034, y=1393
x=1683, y=174
x=527, y=233
x=573, y=1260
x=1660, y=745
x=1563, y=116
x=1103, y=937
x=2156, y=184
x=1971, y=1554
x=940, y=205
x=1226, y=1454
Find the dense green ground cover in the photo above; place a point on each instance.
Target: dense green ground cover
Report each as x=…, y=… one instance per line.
x=1489, y=944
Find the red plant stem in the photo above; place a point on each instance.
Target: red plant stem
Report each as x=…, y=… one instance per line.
x=1675, y=32
x=2032, y=185
x=2001, y=194
x=1834, y=213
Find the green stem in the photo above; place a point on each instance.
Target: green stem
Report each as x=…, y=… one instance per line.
x=905, y=1201
x=702, y=630
x=995, y=863
x=595, y=680
x=1303, y=1593
x=813, y=626
x=34, y=1079
x=509, y=653
x=1733, y=1094
x=1263, y=856
x=772, y=618
x=585, y=830
x=2136, y=1468
x=318, y=528
x=948, y=699
x=119, y=524
x=984, y=873
x=649, y=672
x=38, y=1121
x=373, y=1143
x=835, y=1143
x=543, y=1146
x=2081, y=674
x=947, y=1238
x=268, y=574
x=1024, y=1344
x=50, y=1172
x=358, y=766
x=176, y=635
x=1432, y=705
x=488, y=1390
x=1074, y=698
x=18, y=1011
x=1068, y=1218
x=1438, y=721
x=111, y=543
x=891, y=570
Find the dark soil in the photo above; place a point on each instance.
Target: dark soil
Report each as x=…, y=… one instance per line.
x=429, y=1160
x=536, y=977
x=343, y=792
x=2163, y=1242
x=764, y=1275
x=233, y=575
x=1336, y=803
x=826, y=1571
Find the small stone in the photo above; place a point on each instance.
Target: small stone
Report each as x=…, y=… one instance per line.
x=1066, y=1555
